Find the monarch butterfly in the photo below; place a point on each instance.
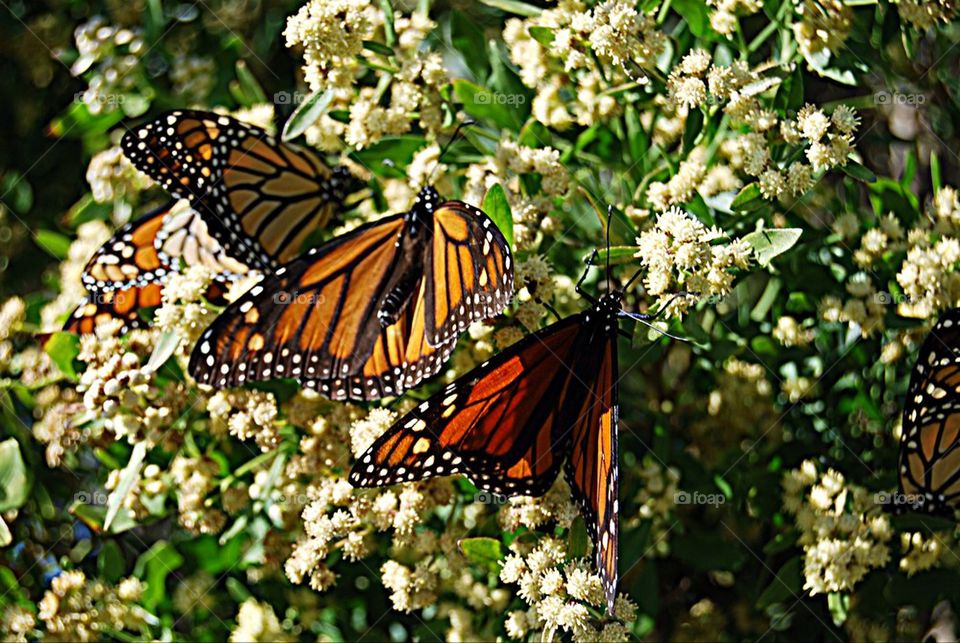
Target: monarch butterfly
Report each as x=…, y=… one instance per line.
x=261, y=198
x=369, y=314
x=126, y=274
x=511, y=422
x=930, y=441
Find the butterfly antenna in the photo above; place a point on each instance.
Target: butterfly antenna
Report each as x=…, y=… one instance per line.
x=446, y=147
x=632, y=279
x=646, y=322
x=609, y=223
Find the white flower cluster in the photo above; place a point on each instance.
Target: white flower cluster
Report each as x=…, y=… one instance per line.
x=678, y=253
x=843, y=533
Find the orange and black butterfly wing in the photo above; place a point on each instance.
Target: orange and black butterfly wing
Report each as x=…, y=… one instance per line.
x=592, y=468
x=185, y=237
x=123, y=304
x=130, y=257
x=139, y=258
x=401, y=358
x=315, y=319
x=263, y=197
x=502, y=424
x=930, y=443
x=468, y=271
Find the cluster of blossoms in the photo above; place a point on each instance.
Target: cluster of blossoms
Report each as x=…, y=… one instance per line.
x=110, y=61
x=256, y=621
x=112, y=176
x=76, y=608
x=923, y=551
x=924, y=14
x=193, y=77
x=863, y=311
x=117, y=385
x=580, y=39
x=791, y=332
x=560, y=594
x=844, y=533
x=697, y=82
x=927, y=276
x=927, y=255
x=246, y=414
x=678, y=254
x=740, y=408
x=724, y=14
x=195, y=479
x=183, y=310
x=554, y=507
x=823, y=26
x=332, y=36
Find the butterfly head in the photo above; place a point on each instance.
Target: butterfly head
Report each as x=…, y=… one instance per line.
x=428, y=200
x=611, y=303
x=341, y=183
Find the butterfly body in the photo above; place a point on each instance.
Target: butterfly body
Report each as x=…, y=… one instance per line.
x=370, y=313
x=930, y=442
x=549, y=401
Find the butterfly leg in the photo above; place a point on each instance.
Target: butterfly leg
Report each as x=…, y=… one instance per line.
x=551, y=309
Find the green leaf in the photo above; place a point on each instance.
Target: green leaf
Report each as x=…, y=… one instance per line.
x=153, y=567
x=165, y=347
x=389, y=157
x=14, y=478
x=820, y=62
x=306, y=114
x=110, y=563
x=692, y=129
x=780, y=543
x=578, y=539
x=935, y=172
x=63, y=349
x=618, y=255
x=93, y=516
x=377, y=47
x=247, y=90
x=748, y=198
x=482, y=551
x=859, y=172
x=767, y=244
x=54, y=243
x=694, y=13
x=838, y=604
x=17, y=191
x=485, y=105
x=515, y=7
x=497, y=207
x=77, y=121
x=787, y=584
x=466, y=36
x=130, y=475
x=543, y=35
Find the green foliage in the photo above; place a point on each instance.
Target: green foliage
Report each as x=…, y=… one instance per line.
x=796, y=356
